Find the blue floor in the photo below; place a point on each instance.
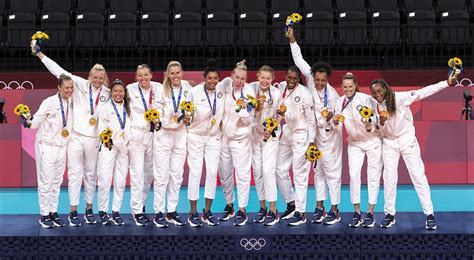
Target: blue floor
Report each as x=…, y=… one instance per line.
x=445, y=198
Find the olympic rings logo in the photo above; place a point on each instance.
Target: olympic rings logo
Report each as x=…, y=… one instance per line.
x=253, y=243
x=16, y=85
x=465, y=82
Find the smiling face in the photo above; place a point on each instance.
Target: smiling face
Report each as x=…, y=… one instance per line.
x=66, y=89
x=292, y=78
x=212, y=78
x=239, y=77
x=97, y=78
x=320, y=80
x=348, y=87
x=143, y=77
x=175, y=74
x=265, y=79
x=118, y=93
x=378, y=93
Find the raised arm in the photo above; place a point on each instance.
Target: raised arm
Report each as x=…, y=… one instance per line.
x=297, y=57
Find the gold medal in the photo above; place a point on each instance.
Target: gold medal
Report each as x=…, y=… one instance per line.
x=65, y=133
x=122, y=135
x=213, y=121
x=92, y=121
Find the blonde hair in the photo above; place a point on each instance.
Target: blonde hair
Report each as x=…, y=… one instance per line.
x=167, y=81
x=240, y=66
x=266, y=68
x=99, y=67
x=351, y=76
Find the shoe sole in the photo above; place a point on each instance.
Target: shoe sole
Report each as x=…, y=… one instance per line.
x=72, y=224
x=369, y=226
x=191, y=224
x=355, y=226
x=332, y=222
x=257, y=221
x=90, y=222
x=273, y=222
x=58, y=225
x=242, y=223
x=288, y=216
x=174, y=222
x=318, y=221
x=209, y=223
x=43, y=225
x=228, y=217
x=106, y=222
x=158, y=225
x=389, y=225
x=301, y=222
x=117, y=223
x=430, y=228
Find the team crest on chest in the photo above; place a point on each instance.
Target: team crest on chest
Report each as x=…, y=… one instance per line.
x=219, y=95
x=102, y=98
x=185, y=93
x=297, y=99
x=270, y=101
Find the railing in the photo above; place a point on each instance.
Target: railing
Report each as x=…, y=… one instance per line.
x=121, y=49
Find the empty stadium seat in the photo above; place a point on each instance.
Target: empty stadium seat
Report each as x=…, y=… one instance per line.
x=284, y=6
x=91, y=6
x=252, y=29
x=188, y=6
x=24, y=6
x=90, y=29
x=384, y=5
x=154, y=29
x=385, y=22
x=57, y=6
x=20, y=28
x=421, y=27
x=258, y=6
x=57, y=27
x=455, y=27
x=122, y=30
x=220, y=29
x=123, y=6
x=451, y=5
x=318, y=6
x=154, y=6
x=319, y=28
x=352, y=22
x=221, y=6
x=419, y=5
x=187, y=29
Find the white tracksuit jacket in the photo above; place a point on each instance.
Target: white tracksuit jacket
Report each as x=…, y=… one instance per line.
x=204, y=139
x=113, y=163
x=83, y=147
x=399, y=139
x=50, y=150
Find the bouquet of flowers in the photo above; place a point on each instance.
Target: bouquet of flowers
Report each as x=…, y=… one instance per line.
x=249, y=103
x=38, y=38
x=291, y=20
x=152, y=116
x=23, y=111
x=366, y=113
x=313, y=153
x=106, y=138
x=455, y=67
x=271, y=125
x=188, y=108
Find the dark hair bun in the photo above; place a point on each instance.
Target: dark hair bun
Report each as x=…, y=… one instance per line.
x=211, y=63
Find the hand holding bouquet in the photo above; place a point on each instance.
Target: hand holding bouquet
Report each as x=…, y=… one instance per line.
x=152, y=116
x=366, y=113
x=290, y=21
x=38, y=38
x=270, y=126
x=313, y=153
x=23, y=111
x=188, y=111
x=455, y=68
x=106, y=138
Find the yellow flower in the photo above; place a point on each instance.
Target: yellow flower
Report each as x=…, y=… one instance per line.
x=155, y=114
x=270, y=124
x=311, y=157
x=296, y=17
x=365, y=112
x=25, y=109
x=17, y=109
x=147, y=115
x=39, y=35
x=318, y=154
x=187, y=106
x=105, y=139
x=312, y=149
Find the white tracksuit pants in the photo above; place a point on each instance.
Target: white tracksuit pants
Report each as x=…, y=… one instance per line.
x=408, y=147
x=169, y=155
x=141, y=168
x=295, y=155
x=356, y=153
x=208, y=148
x=112, y=163
x=327, y=174
x=236, y=155
x=82, y=155
x=264, y=156
x=50, y=167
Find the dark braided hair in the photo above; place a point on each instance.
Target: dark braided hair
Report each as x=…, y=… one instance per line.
x=322, y=67
x=389, y=95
